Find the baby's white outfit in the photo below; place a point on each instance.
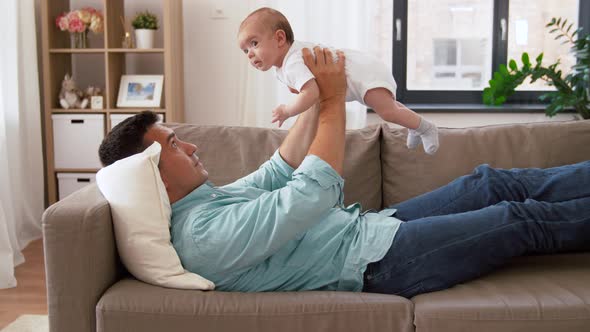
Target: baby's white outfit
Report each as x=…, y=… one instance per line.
x=363, y=71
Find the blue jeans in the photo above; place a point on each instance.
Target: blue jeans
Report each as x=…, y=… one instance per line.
x=478, y=222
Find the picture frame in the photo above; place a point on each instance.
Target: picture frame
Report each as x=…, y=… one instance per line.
x=140, y=91
x=96, y=102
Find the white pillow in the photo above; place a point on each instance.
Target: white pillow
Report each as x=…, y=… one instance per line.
x=141, y=217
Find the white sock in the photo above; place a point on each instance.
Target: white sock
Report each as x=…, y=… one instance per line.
x=413, y=139
x=428, y=132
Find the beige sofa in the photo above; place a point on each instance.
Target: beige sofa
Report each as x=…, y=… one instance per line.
x=89, y=290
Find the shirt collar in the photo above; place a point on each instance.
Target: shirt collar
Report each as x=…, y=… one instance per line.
x=202, y=194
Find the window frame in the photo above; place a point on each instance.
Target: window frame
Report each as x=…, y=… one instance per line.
x=469, y=97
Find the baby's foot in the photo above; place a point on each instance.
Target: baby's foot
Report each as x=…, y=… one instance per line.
x=428, y=133
x=413, y=139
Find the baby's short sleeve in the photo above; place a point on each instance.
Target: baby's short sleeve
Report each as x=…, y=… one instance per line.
x=295, y=72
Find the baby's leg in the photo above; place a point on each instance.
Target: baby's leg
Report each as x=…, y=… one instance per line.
x=383, y=103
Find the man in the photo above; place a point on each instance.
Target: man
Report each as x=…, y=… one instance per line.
x=283, y=227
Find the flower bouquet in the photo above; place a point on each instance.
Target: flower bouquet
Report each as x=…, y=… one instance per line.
x=79, y=22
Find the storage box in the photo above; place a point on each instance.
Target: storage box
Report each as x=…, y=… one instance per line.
x=76, y=138
x=67, y=183
x=118, y=118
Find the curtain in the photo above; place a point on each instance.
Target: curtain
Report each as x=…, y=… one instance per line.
x=361, y=25
x=21, y=156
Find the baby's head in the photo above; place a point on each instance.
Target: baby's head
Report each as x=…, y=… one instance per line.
x=265, y=37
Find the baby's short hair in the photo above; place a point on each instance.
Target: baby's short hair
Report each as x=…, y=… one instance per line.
x=274, y=20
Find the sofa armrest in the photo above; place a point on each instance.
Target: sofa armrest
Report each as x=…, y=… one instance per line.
x=81, y=259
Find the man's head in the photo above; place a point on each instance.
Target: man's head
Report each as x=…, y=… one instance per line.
x=265, y=37
x=179, y=166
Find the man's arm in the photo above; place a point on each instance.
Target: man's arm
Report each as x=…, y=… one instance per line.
x=328, y=143
x=295, y=146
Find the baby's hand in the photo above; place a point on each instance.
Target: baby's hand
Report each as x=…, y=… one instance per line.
x=280, y=114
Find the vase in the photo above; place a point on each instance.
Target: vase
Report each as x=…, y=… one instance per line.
x=144, y=38
x=79, y=39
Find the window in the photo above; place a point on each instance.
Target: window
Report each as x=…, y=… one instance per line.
x=445, y=51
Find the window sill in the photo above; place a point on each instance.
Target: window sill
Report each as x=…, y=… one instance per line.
x=479, y=108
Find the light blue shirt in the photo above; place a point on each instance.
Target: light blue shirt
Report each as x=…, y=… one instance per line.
x=280, y=229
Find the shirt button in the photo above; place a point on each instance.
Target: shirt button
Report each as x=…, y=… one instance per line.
x=213, y=195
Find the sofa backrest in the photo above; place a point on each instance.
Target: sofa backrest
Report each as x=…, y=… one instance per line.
x=408, y=173
x=229, y=153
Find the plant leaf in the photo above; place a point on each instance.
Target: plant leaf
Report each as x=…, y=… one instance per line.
x=512, y=64
x=525, y=59
x=503, y=70
x=539, y=58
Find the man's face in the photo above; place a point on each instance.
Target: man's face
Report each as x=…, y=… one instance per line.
x=179, y=165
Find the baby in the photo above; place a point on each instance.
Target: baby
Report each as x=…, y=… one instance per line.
x=266, y=37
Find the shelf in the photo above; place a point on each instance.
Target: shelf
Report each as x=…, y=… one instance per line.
x=77, y=111
x=137, y=110
x=102, y=50
x=103, y=111
x=76, y=50
x=135, y=50
x=77, y=170
x=103, y=65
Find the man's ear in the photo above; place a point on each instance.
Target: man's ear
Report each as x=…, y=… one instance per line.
x=281, y=37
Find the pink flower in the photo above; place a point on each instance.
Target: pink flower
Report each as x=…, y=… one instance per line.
x=76, y=25
x=81, y=20
x=90, y=10
x=62, y=22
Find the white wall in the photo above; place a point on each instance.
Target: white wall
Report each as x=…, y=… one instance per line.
x=212, y=61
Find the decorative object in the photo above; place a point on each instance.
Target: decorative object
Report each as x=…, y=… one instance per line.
x=96, y=102
x=573, y=90
x=70, y=96
x=94, y=94
x=140, y=91
x=78, y=23
x=127, y=41
x=145, y=25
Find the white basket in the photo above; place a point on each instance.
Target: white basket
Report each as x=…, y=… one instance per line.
x=76, y=138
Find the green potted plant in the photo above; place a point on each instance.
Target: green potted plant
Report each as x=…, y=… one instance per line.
x=572, y=91
x=145, y=24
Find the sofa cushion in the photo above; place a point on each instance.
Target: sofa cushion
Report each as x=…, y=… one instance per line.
x=130, y=305
x=408, y=173
x=229, y=153
x=535, y=293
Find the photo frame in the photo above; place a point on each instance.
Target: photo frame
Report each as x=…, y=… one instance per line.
x=140, y=91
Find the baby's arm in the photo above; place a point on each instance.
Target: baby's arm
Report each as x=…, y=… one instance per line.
x=307, y=97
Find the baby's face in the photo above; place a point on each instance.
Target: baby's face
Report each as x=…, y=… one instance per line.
x=260, y=46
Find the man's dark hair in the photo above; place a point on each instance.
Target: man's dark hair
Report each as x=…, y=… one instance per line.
x=126, y=138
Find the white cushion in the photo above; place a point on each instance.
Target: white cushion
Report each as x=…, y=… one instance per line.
x=141, y=217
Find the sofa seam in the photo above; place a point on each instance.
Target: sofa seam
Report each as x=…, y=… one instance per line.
x=505, y=320
x=240, y=314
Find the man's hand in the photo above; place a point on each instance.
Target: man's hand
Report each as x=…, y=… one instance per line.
x=329, y=76
x=280, y=114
